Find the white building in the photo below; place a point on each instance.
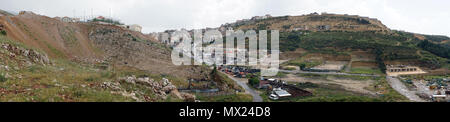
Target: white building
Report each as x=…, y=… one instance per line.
x=267, y=16
x=281, y=93
x=68, y=19
x=135, y=27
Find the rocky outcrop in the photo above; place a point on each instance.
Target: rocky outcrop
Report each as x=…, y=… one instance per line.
x=32, y=55
x=161, y=89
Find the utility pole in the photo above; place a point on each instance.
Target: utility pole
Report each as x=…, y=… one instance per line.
x=84, y=15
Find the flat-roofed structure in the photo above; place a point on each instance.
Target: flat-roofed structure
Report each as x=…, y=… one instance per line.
x=396, y=70
x=281, y=93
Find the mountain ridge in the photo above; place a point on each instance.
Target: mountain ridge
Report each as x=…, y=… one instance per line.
x=312, y=22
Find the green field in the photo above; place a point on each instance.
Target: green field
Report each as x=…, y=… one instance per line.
x=238, y=97
x=365, y=70
x=387, y=47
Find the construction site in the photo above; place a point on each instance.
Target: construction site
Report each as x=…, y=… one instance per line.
x=429, y=88
x=274, y=87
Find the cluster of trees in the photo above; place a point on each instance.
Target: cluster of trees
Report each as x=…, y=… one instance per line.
x=286, y=26
x=2, y=78
x=363, y=21
x=436, y=38
x=396, y=46
x=336, y=41
x=253, y=81
x=397, y=52
x=262, y=26
x=3, y=32
x=437, y=49
x=289, y=41
x=107, y=20
x=379, y=59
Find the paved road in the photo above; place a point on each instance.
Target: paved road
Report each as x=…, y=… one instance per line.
x=325, y=73
x=255, y=95
x=402, y=89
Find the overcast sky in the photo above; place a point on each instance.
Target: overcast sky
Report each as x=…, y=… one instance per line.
x=420, y=16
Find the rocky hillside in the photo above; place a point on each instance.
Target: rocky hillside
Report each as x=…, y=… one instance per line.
x=14, y=55
x=46, y=59
x=94, y=43
x=125, y=48
x=57, y=38
x=314, y=22
x=333, y=36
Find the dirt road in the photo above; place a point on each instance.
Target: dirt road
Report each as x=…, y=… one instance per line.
x=394, y=82
x=402, y=89
x=348, y=84
x=325, y=73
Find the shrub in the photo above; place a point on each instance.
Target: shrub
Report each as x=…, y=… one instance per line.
x=307, y=85
x=253, y=81
x=3, y=32
x=286, y=26
x=437, y=49
x=302, y=66
x=107, y=20
x=3, y=78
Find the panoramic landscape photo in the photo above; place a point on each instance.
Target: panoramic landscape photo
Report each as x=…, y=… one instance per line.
x=224, y=51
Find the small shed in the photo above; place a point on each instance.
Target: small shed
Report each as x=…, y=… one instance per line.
x=281, y=93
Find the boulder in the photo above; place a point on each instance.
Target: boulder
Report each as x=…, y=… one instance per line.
x=187, y=97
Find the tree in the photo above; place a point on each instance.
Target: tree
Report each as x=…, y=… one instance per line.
x=3, y=78
x=302, y=66
x=253, y=81
x=214, y=71
x=286, y=26
x=437, y=49
x=3, y=32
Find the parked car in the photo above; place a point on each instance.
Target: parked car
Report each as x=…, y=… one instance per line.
x=273, y=97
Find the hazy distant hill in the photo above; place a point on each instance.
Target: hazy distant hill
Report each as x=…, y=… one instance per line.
x=5, y=13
